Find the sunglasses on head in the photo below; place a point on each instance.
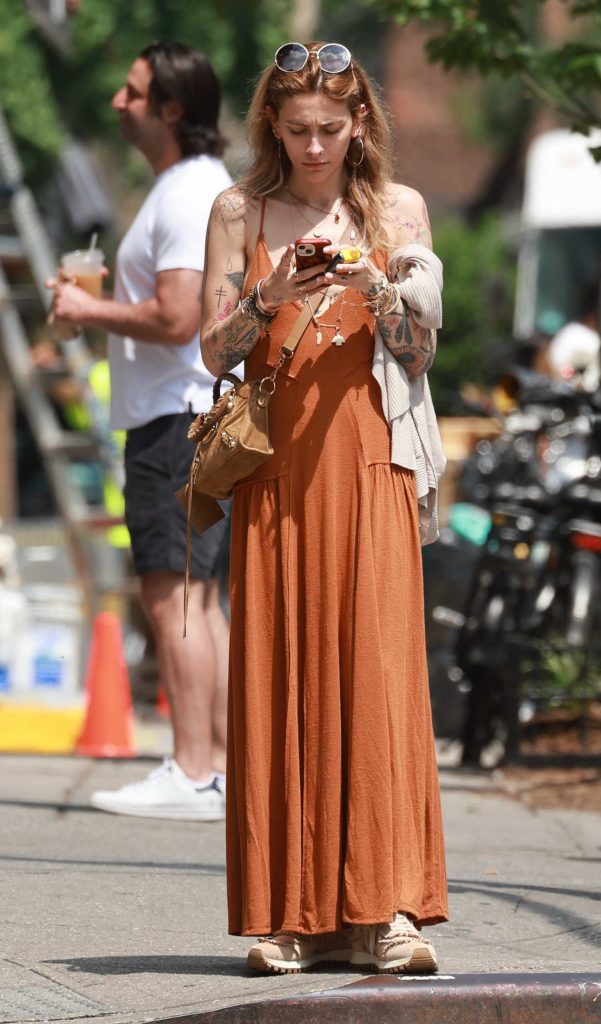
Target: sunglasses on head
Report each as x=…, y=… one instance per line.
x=333, y=57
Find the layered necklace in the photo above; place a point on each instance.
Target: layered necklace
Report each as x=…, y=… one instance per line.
x=333, y=212
x=338, y=338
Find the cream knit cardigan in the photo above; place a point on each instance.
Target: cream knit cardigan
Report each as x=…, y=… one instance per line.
x=406, y=403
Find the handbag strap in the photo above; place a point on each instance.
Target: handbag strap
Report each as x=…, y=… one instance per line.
x=299, y=327
x=286, y=352
x=267, y=385
x=230, y=378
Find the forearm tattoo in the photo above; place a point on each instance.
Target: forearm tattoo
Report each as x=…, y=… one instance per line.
x=231, y=340
x=414, y=349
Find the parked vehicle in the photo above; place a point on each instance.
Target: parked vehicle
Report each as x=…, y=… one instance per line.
x=536, y=586
x=560, y=247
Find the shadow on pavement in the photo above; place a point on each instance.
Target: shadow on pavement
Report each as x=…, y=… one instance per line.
x=201, y=869
x=479, y=884
x=51, y=805
x=109, y=965
x=569, y=923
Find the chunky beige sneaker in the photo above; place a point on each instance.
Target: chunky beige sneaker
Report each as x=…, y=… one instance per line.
x=395, y=948
x=286, y=953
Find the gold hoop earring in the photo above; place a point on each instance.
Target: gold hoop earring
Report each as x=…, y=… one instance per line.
x=356, y=163
x=281, y=176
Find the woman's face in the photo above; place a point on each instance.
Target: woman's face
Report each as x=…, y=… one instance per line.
x=315, y=131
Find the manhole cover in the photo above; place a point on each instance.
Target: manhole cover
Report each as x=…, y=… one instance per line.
x=43, y=1002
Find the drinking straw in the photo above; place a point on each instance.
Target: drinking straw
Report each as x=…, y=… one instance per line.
x=93, y=241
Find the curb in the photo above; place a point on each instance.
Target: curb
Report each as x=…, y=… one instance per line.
x=432, y=999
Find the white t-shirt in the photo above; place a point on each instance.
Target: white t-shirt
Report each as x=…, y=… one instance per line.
x=576, y=347
x=148, y=379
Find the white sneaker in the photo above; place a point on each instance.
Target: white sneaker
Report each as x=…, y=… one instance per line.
x=166, y=793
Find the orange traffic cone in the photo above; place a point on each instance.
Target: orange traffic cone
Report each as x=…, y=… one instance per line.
x=161, y=707
x=108, y=726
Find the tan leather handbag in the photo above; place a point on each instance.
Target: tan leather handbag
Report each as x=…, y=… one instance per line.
x=232, y=439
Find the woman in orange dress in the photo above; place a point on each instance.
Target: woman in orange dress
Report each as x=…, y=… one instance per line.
x=334, y=834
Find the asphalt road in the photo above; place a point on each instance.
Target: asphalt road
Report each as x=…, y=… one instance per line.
x=123, y=919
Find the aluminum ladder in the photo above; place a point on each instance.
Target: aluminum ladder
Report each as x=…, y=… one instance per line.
x=24, y=243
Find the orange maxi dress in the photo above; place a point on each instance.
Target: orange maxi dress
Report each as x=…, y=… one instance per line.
x=333, y=808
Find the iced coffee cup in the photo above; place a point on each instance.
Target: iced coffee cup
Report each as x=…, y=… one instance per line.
x=84, y=267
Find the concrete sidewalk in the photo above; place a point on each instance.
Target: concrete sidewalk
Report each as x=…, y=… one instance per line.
x=124, y=918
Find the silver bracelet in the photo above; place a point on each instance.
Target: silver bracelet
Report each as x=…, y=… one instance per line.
x=265, y=310
x=250, y=306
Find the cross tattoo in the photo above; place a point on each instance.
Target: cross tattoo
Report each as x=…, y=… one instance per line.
x=219, y=292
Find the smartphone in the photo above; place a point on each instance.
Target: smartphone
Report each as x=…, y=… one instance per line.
x=309, y=252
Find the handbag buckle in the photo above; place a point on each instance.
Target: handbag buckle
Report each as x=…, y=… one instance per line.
x=266, y=389
x=210, y=434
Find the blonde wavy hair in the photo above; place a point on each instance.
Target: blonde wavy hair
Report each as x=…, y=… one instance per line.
x=365, y=188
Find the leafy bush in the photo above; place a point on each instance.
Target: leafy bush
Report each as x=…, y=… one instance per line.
x=479, y=269
x=25, y=91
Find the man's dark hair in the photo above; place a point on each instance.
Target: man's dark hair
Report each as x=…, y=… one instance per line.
x=184, y=75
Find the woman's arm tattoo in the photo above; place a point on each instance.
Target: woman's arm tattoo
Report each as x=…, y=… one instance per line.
x=236, y=279
x=232, y=340
x=416, y=354
x=412, y=224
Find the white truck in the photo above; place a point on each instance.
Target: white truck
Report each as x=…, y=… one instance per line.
x=561, y=221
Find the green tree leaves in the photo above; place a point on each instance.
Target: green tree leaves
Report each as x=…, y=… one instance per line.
x=504, y=37
x=40, y=89
x=477, y=300
x=25, y=88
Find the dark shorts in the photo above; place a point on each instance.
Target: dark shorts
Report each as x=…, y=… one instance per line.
x=157, y=461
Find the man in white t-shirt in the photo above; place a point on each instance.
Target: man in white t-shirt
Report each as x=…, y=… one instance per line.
x=574, y=351
x=168, y=109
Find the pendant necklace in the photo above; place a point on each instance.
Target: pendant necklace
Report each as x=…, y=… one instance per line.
x=295, y=201
x=338, y=338
x=327, y=213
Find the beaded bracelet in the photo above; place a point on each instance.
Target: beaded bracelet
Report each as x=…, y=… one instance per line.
x=250, y=306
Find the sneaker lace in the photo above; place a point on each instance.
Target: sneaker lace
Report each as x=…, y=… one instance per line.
x=400, y=929
x=383, y=936
x=287, y=939
x=402, y=925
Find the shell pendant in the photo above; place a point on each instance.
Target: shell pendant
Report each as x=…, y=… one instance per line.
x=338, y=340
